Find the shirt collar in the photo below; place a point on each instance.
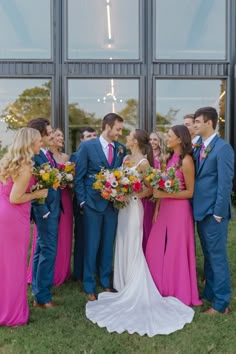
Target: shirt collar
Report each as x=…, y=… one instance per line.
x=105, y=143
x=208, y=140
x=44, y=150
x=195, y=139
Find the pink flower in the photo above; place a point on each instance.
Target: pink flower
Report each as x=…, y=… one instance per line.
x=161, y=184
x=137, y=186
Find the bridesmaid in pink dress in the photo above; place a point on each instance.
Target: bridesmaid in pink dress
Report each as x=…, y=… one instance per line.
x=158, y=145
x=170, y=251
x=15, y=198
x=64, y=246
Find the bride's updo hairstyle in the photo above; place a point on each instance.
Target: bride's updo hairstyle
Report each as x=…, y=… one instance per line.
x=20, y=153
x=182, y=132
x=142, y=138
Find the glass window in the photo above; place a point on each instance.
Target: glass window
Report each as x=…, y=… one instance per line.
x=187, y=29
x=20, y=101
x=91, y=100
x=176, y=98
x=106, y=29
x=25, y=29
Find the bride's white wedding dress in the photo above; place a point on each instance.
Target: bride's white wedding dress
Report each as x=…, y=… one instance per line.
x=137, y=306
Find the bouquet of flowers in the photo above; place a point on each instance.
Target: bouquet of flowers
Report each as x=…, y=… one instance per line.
x=46, y=177
x=118, y=185
x=163, y=180
x=67, y=172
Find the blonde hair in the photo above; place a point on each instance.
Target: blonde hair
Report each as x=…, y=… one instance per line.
x=162, y=147
x=20, y=153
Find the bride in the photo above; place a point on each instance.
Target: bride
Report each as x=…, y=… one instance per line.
x=137, y=306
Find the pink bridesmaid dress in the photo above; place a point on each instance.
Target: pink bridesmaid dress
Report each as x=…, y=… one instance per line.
x=14, y=241
x=64, y=245
x=170, y=251
x=62, y=270
x=148, y=208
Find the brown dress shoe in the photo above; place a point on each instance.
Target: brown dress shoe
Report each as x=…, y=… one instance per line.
x=91, y=297
x=44, y=306
x=36, y=304
x=212, y=311
x=49, y=305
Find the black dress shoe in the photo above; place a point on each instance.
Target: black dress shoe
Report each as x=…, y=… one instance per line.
x=110, y=290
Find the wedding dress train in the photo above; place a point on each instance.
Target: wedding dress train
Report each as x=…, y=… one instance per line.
x=137, y=306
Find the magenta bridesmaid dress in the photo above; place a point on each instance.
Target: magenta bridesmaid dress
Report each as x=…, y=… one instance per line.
x=62, y=270
x=148, y=208
x=170, y=251
x=14, y=241
x=64, y=245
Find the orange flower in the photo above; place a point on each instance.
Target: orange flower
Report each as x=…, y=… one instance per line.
x=105, y=195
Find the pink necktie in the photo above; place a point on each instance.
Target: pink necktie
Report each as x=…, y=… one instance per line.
x=201, y=152
x=50, y=159
x=110, y=154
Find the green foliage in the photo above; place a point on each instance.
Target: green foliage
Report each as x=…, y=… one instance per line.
x=3, y=150
x=163, y=123
x=34, y=102
x=65, y=328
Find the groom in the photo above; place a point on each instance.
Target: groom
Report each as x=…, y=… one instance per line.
x=100, y=217
x=211, y=206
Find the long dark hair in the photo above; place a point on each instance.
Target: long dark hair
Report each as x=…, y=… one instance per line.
x=143, y=142
x=183, y=134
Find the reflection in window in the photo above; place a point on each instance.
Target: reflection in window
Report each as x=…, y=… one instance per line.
x=26, y=29
x=106, y=29
x=176, y=98
x=20, y=101
x=198, y=31
x=91, y=100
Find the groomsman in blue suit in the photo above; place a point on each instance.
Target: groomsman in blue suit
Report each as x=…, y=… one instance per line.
x=46, y=217
x=100, y=217
x=78, y=263
x=211, y=206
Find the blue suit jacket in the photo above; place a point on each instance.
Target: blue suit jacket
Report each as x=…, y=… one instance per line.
x=213, y=180
x=90, y=158
x=52, y=202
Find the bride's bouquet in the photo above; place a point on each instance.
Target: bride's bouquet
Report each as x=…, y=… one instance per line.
x=118, y=185
x=166, y=180
x=46, y=177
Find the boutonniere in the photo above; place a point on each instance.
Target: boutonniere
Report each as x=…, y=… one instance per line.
x=205, y=152
x=196, y=145
x=120, y=150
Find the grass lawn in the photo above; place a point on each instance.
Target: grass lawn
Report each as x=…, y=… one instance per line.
x=66, y=330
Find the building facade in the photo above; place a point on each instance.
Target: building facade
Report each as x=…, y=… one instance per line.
x=152, y=61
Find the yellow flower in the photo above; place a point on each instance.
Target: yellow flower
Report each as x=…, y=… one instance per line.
x=97, y=185
x=117, y=174
x=132, y=178
x=124, y=190
x=45, y=176
x=56, y=185
x=100, y=176
x=68, y=168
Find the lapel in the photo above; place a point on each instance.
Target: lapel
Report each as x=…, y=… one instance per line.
x=42, y=157
x=211, y=146
x=196, y=153
x=102, y=156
